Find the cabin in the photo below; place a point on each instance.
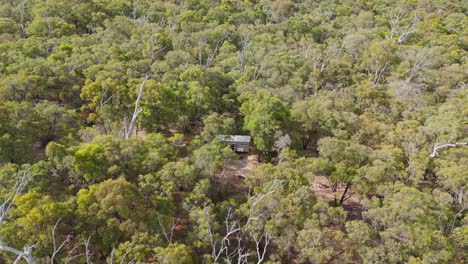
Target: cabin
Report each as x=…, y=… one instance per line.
x=237, y=143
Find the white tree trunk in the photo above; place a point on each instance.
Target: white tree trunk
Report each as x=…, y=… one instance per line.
x=130, y=127
x=438, y=146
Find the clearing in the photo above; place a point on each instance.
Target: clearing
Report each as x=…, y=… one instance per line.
x=236, y=170
x=353, y=205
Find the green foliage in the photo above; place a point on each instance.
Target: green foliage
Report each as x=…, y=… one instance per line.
x=112, y=212
x=371, y=95
x=89, y=161
x=216, y=124
x=32, y=221
x=264, y=115
x=210, y=158
x=174, y=253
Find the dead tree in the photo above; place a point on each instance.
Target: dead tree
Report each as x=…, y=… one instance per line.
x=409, y=29
x=212, y=55
x=333, y=51
x=129, y=127
x=219, y=246
x=71, y=254
x=239, y=233
x=261, y=251
x=21, y=11
x=419, y=59
x=87, y=253
x=395, y=24
x=438, y=146
x=396, y=29
x=26, y=254
x=57, y=248
x=75, y=253
x=122, y=259
x=245, y=44
x=102, y=102
x=168, y=234
x=21, y=181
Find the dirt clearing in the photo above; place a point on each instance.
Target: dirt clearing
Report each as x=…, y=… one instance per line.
x=353, y=205
x=236, y=170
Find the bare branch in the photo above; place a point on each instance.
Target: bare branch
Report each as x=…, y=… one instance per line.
x=245, y=43
x=237, y=232
x=57, y=249
x=21, y=180
x=419, y=58
x=70, y=256
x=438, y=146
x=224, y=241
x=396, y=28
x=409, y=29
x=88, y=254
x=267, y=238
x=129, y=129
x=395, y=24
x=212, y=55
x=26, y=254
x=104, y=101
x=168, y=235
x=124, y=257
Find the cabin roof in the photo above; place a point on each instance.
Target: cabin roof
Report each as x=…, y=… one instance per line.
x=234, y=138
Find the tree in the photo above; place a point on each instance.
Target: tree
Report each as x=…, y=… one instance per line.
x=211, y=158
x=20, y=131
x=129, y=127
x=56, y=121
x=140, y=248
x=112, y=212
x=20, y=182
x=90, y=162
x=93, y=95
x=35, y=215
x=181, y=173
x=216, y=124
x=451, y=175
x=340, y=161
x=386, y=165
x=318, y=244
x=174, y=253
x=379, y=59
x=315, y=116
x=410, y=220
x=264, y=114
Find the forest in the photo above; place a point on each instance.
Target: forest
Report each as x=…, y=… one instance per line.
x=110, y=112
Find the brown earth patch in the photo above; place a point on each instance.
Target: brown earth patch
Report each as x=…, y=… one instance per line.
x=353, y=205
x=236, y=170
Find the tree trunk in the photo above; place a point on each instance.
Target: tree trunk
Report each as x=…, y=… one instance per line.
x=137, y=111
x=343, y=196
x=306, y=140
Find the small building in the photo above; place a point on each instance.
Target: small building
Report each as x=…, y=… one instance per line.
x=237, y=143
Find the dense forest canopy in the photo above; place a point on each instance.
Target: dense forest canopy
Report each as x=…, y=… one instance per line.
x=109, y=111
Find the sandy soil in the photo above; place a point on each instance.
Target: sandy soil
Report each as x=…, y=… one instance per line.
x=236, y=170
x=352, y=205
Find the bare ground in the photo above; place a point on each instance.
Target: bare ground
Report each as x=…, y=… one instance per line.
x=353, y=205
x=236, y=170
